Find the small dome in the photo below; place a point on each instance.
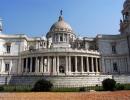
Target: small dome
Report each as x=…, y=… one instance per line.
x=61, y=25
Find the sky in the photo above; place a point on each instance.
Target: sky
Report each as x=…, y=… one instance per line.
x=86, y=17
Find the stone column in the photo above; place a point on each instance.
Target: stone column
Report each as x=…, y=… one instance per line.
x=24, y=65
x=92, y=64
x=57, y=64
x=19, y=67
x=23, y=70
x=96, y=64
x=111, y=66
x=54, y=65
x=48, y=64
x=69, y=64
x=30, y=64
x=1, y=68
x=100, y=65
x=58, y=37
x=45, y=64
x=26, y=68
x=87, y=64
x=41, y=65
x=75, y=63
x=63, y=37
x=67, y=38
x=66, y=69
x=37, y=65
x=82, y=70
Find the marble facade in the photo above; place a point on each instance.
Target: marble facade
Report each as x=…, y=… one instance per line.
x=62, y=53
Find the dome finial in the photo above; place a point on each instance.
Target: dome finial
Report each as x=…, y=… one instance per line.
x=60, y=17
x=0, y=24
x=61, y=12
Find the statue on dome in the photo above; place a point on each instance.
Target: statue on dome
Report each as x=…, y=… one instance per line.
x=61, y=12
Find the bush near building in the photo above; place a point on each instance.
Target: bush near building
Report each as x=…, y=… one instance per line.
x=127, y=86
x=109, y=84
x=1, y=88
x=42, y=86
x=120, y=86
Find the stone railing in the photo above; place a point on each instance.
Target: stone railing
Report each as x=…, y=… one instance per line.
x=9, y=54
x=62, y=50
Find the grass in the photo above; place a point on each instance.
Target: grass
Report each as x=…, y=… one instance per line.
x=28, y=88
x=17, y=88
x=77, y=89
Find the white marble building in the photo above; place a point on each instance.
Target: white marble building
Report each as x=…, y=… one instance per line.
x=63, y=54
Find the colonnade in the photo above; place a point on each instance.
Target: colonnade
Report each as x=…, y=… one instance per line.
x=55, y=65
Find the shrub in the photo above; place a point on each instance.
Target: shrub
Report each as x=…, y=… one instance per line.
x=42, y=86
x=108, y=84
x=98, y=88
x=1, y=88
x=82, y=89
x=127, y=86
x=120, y=86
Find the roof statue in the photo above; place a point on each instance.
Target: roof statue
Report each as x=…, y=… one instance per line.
x=61, y=12
x=0, y=24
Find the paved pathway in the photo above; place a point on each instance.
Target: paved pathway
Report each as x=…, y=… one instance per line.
x=119, y=95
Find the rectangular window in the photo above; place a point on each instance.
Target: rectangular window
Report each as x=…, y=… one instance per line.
x=61, y=38
x=114, y=49
x=7, y=66
x=8, y=48
x=115, y=69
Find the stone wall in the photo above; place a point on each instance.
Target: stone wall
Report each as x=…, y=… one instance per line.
x=64, y=81
x=58, y=81
x=124, y=79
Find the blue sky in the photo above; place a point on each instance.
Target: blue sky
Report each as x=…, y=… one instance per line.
x=86, y=17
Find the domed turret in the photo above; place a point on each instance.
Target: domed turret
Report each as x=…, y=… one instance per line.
x=124, y=23
x=126, y=3
x=126, y=10
x=61, y=33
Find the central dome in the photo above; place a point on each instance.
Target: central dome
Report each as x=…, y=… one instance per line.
x=61, y=25
x=60, y=34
